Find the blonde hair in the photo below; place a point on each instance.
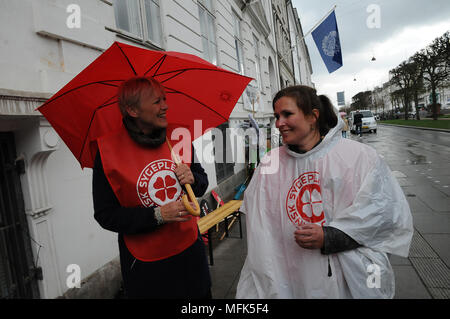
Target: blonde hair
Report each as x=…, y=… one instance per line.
x=131, y=91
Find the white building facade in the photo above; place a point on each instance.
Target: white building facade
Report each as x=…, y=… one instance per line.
x=50, y=244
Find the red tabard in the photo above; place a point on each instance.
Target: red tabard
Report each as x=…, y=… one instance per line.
x=145, y=177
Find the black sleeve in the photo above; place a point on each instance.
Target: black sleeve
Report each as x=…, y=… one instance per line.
x=336, y=241
x=111, y=215
x=201, y=178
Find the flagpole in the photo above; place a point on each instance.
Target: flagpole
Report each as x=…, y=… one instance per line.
x=318, y=23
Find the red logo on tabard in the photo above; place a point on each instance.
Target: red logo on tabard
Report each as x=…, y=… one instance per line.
x=304, y=200
x=157, y=184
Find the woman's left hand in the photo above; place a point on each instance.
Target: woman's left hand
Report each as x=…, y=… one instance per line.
x=309, y=236
x=184, y=174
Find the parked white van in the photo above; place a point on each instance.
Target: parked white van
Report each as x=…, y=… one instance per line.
x=369, y=123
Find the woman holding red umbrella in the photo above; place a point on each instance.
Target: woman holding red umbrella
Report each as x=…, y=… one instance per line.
x=137, y=191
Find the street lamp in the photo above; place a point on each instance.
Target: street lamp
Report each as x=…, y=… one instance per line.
x=373, y=56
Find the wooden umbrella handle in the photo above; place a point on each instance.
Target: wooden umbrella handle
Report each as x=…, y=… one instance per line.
x=193, y=199
x=188, y=187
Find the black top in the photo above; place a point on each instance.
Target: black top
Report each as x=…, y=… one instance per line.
x=335, y=241
x=358, y=118
x=185, y=275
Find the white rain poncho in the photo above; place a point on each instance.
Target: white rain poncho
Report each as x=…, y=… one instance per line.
x=340, y=183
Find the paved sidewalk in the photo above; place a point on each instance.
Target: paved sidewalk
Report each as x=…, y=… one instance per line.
x=417, y=127
x=229, y=256
x=425, y=274
x=423, y=171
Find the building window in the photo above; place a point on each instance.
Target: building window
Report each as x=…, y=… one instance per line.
x=207, y=29
x=238, y=43
x=258, y=79
x=139, y=19
x=223, y=169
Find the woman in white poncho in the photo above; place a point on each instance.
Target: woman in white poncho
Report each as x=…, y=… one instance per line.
x=323, y=212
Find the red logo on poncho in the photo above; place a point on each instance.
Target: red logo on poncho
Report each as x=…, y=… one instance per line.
x=157, y=184
x=304, y=200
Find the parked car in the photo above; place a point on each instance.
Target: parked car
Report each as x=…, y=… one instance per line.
x=369, y=124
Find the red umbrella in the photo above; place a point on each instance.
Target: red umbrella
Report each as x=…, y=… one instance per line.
x=86, y=108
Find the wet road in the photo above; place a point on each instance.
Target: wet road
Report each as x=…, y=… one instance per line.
x=436, y=137
x=420, y=159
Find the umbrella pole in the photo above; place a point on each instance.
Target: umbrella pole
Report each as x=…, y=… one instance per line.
x=188, y=187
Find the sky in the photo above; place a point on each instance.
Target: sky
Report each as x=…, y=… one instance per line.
x=389, y=30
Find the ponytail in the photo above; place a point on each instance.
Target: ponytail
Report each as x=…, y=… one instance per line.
x=327, y=117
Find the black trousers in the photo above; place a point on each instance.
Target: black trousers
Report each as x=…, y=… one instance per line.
x=183, y=276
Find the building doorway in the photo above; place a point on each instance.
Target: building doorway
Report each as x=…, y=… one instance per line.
x=18, y=274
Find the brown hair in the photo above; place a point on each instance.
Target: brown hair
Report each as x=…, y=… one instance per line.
x=306, y=99
x=130, y=92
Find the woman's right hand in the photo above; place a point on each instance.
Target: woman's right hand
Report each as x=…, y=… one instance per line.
x=174, y=212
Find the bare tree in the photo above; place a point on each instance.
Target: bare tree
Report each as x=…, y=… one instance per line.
x=434, y=62
x=403, y=77
x=377, y=98
x=396, y=99
x=418, y=85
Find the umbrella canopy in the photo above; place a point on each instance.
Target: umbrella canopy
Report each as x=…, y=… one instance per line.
x=86, y=108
